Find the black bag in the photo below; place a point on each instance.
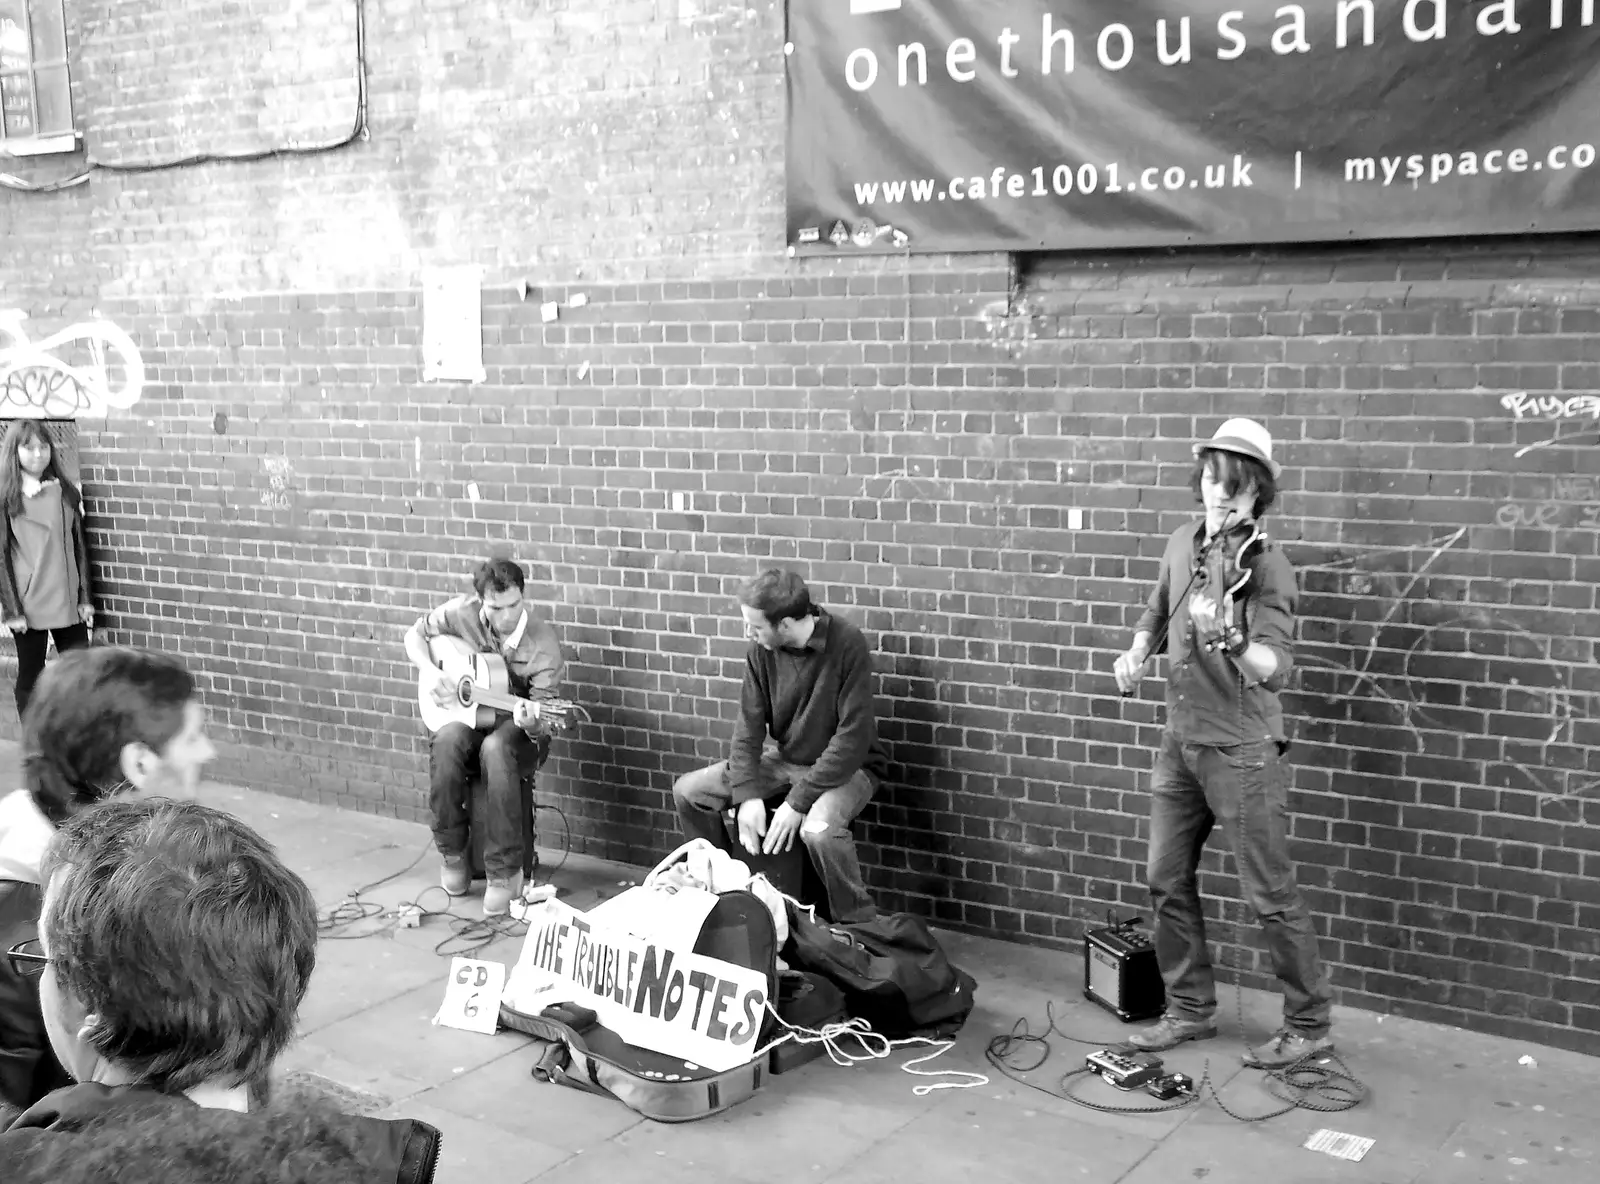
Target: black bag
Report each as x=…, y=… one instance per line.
x=892, y=970
x=810, y=1002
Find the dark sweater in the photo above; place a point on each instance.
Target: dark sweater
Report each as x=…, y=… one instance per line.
x=402, y=1151
x=817, y=703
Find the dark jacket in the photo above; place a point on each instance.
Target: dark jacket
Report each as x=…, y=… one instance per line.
x=1209, y=701
x=402, y=1151
x=72, y=511
x=28, y=1069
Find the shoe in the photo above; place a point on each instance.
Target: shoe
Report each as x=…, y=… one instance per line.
x=454, y=875
x=1169, y=1032
x=497, y=897
x=1287, y=1047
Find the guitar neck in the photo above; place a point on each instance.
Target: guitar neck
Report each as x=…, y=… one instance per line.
x=496, y=699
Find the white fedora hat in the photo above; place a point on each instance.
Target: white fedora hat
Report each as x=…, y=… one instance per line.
x=1245, y=437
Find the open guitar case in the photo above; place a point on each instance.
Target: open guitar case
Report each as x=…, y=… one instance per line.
x=738, y=930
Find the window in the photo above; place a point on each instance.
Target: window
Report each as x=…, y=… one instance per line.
x=35, y=95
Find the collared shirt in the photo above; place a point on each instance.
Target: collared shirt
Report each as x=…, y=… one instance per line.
x=24, y=834
x=1210, y=700
x=817, y=703
x=532, y=651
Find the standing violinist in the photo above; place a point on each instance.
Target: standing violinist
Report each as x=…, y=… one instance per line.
x=1224, y=605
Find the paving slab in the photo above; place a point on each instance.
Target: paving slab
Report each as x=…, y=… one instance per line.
x=1444, y=1106
x=503, y=1093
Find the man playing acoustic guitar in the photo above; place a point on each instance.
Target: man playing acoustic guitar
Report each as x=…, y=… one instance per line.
x=1224, y=603
x=493, y=620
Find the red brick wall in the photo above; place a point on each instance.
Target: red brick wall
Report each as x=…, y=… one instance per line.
x=914, y=435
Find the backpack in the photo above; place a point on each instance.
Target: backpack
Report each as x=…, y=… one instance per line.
x=892, y=970
x=579, y=1052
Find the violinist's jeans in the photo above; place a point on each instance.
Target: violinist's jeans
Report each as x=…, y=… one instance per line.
x=1245, y=788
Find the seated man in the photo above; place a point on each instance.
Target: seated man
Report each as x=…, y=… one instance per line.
x=101, y=721
x=172, y=957
x=807, y=679
x=493, y=620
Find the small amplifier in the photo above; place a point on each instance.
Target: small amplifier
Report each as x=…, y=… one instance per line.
x=1120, y=972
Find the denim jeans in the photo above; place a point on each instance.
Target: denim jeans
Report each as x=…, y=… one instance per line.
x=703, y=795
x=1245, y=788
x=457, y=752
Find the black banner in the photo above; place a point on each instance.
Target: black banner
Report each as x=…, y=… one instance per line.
x=1015, y=125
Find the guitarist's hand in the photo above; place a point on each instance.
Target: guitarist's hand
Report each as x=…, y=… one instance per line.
x=525, y=715
x=443, y=690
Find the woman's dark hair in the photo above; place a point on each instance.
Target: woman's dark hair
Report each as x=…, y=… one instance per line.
x=11, y=468
x=1233, y=471
x=497, y=575
x=778, y=595
x=87, y=706
x=181, y=931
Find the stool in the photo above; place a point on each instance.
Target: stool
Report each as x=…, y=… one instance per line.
x=533, y=760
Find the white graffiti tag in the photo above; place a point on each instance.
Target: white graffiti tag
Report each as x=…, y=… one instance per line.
x=85, y=369
x=1522, y=405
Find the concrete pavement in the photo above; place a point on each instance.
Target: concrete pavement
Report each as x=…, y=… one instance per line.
x=1445, y=1105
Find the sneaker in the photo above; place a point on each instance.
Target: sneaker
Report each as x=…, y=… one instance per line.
x=1169, y=1032
x=1287, y=1047
x=497, y=897
x=454, y=875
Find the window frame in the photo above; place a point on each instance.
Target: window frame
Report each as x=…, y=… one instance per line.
x=36, y=142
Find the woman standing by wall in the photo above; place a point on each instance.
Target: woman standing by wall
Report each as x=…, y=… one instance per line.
x=44, y=554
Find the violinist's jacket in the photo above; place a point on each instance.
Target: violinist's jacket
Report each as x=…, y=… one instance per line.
x=1211, y=699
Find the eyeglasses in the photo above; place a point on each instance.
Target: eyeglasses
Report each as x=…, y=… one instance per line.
x=27, y=959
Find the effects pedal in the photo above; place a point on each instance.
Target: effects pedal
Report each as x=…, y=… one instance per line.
x=1172, y=1085
x=1125, y=1071
x=1120, y=972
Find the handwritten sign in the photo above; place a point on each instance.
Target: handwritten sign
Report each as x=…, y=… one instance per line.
x=653, y=994
x=472, y=996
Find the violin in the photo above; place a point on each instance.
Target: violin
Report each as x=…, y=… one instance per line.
x=1222, y=571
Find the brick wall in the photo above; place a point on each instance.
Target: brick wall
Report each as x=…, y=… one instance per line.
x=917, y=436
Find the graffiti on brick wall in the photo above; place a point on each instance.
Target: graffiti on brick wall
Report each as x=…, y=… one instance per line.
x=279, y=493
x=1438, y=667
x=1580, y=411
x=1551, y=502
x=89, y=368
x=1568, y=503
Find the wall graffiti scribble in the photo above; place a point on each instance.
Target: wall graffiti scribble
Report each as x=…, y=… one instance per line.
x=1437, y=667
x=88, y=368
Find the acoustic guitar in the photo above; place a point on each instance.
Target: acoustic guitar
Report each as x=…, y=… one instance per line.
x=482, y=690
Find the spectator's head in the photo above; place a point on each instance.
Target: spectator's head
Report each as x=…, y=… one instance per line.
x=499, y=583
x=107, y=720
x=26, y=449
x=179, y=946
x=1234, y=470
x=777, y=608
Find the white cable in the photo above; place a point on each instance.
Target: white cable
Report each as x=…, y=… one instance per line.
x=875, y=1047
